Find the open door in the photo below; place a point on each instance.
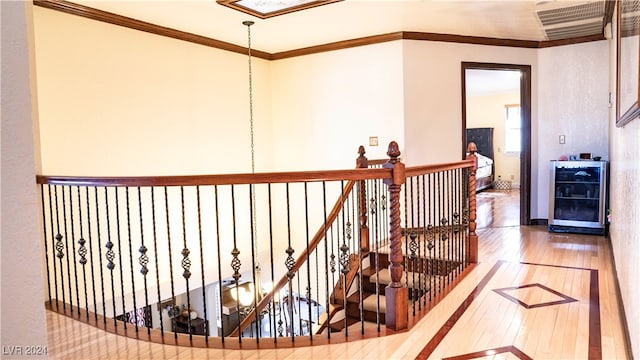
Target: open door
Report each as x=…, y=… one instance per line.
x=524, y=107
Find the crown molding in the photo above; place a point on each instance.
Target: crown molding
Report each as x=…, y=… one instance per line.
x=119, y=20
x=115, y=19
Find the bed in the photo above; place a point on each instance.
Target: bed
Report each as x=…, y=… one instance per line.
x=483, y=138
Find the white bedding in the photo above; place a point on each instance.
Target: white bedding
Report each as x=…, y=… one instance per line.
x=484, y=166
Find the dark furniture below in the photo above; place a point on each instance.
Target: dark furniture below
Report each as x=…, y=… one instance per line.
x=198, y=325
x=483, y=138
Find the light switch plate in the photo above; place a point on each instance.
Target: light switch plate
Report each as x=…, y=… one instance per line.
x=561, y=139
x=373, y=141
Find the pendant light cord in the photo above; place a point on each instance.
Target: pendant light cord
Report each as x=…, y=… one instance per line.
x=257, y=269
x=253, y=156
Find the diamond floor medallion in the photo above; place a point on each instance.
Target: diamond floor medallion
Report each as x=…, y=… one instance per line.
x=536, y=295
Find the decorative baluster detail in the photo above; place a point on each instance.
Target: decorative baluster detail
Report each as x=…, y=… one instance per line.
x=235, y=264
x=280, y=327
x=332, y=263
x=372, y=206
x=59, y=246
x=444, y=235
x=82, y=251
x=186, y=263
x=456, y=222
x=290, y=262
x=110, y=256
x=413, y=245
x=143, y=260
x=430, y=237
x=344, y=259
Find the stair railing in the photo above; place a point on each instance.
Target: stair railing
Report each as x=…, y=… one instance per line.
x=177, y=233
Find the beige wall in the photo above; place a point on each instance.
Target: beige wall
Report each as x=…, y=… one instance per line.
x=433, y=93
x=22, y=316
x=326, y=105
x=117, y=101
x=489, y=111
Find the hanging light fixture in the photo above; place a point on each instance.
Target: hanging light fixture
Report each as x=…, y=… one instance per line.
x=257, y=270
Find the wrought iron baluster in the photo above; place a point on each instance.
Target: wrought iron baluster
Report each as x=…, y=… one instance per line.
x=120, y=251
x=254, y=266
x=219, y=254
x=289, y=263
x=99, y=240
x=186, y=262
x=110, y=255
x=46, y=247
x=59, y=248
x=133, y=284
x=67, y=248
x=306, y=226
x=344, y=254
x=173, y=292
x=375, y=223
x=326, y=256
x=82, y=251
x=272, y=310
x=235, y=261
x=73, y=248
x=424, y=262
x=204, y=300
x=155, y=254
x=143, y=260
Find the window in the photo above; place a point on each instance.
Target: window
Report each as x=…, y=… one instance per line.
x=512, y=129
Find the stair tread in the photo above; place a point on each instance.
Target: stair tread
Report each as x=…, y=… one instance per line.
x=370, y=303
x=384, y=277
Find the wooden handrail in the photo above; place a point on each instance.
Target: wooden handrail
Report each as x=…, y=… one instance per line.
x=302, y=258
x=224, y=179
x=431, y=169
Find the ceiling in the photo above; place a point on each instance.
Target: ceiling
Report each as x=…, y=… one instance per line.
x=351, y=19
x=491, y=82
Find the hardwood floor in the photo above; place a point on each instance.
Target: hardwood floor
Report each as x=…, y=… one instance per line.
x=498, y=208
x=534, y=295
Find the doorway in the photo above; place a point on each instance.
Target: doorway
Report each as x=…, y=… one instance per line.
x=503, y=148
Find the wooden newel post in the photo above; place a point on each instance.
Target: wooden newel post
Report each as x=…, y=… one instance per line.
x=397, y=296
x=363, y=163
x=473, y=237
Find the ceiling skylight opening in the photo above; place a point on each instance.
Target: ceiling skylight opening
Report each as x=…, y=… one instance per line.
x=264, y=9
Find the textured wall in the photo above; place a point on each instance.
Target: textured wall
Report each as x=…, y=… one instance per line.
x=574, y=103
x=625, y=223
x=22, y=288
x=624, y=145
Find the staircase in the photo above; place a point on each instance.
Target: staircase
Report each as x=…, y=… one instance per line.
x=368, y=305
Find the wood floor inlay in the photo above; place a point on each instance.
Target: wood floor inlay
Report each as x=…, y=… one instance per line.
x=508, y=294
x=491, y=352
x=487, y=321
